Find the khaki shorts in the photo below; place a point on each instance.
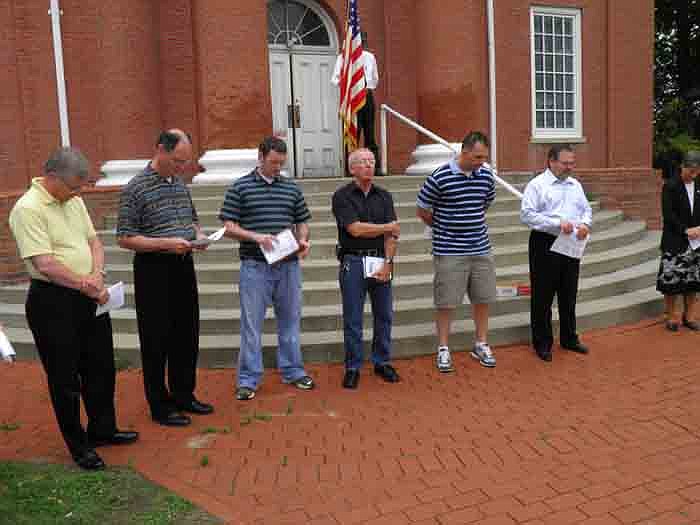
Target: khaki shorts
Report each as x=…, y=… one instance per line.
x=456, y=275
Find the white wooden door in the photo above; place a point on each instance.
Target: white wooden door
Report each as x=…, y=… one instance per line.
x=281, y=91
x=317, y=138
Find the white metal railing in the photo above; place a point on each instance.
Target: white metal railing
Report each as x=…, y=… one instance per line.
x=383, y=132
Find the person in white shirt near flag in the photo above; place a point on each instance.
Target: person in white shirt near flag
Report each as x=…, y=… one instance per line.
x=554, y=202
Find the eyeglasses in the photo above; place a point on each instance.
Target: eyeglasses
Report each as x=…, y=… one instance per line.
x=364, y=162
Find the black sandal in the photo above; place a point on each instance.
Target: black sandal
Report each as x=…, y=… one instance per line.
x=672, y=327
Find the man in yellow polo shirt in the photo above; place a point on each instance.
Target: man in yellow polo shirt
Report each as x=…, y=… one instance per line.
x=65, y=259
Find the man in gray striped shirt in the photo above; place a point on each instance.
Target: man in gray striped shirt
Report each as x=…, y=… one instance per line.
x=257, y=207
x=157, y=220
x=453, y=201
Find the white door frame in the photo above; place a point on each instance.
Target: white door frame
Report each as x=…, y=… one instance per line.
x=291, y=49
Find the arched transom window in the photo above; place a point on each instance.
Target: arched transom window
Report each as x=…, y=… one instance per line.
x=293, y=23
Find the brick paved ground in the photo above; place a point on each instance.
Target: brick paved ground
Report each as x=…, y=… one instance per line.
x=610, y=438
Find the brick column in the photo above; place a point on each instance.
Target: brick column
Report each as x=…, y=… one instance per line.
x=131, y=83
x=452, y=67
x=233, y=82
x=13, y=170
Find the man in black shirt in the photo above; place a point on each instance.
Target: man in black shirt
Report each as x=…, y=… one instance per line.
x=367, y=235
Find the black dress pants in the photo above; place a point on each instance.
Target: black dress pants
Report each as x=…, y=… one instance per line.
x=551, y=273
x=77, y=354
x=365, y=124
x=167, y=311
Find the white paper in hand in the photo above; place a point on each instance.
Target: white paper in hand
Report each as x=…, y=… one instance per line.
x=216, y=236
x=7, y=353
x=372, y=265
x=283, y=245
x=694, y=244
x=116, y=299
x=568, y=244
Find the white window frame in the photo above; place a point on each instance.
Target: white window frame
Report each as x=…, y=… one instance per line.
x=549, y=134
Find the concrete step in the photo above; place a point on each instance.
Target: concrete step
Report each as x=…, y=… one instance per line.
x=226, y=320
x=495, y=219
x=510, y=247
x=613, y=232
x=329, y=185
x=219, y=350
x=413, y=280
x=644, y=244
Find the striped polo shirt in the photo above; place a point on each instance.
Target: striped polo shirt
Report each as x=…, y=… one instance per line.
x=459, y=202
x=263, y=207
x=152, y=206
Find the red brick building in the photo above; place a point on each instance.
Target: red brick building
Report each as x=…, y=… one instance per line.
x=225, y=70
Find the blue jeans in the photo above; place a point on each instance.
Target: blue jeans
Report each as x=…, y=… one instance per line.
x=261, y=285
x=354, y=288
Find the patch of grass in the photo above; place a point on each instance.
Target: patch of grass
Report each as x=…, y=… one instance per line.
x=285, y=461
x=263, y=416
x=121, y=363
x=34, y=494
x=246, y=420
x=204, y=461
x=9, y=427
x=215, y=430
x=290, y=407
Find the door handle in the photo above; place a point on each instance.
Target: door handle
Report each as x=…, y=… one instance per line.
x=294, y=115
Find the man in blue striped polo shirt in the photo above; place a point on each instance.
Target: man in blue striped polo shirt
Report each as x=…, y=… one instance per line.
x=257, y=207
x=453, y=201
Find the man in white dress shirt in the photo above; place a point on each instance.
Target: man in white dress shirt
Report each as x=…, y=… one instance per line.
x=554, y=203
x=365, y=117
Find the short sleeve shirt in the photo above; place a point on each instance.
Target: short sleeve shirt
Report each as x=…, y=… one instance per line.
x=152, y=206
x=43, y=225
x=263, y=207
x=350, y=204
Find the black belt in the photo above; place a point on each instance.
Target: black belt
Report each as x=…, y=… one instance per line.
x=374, y=252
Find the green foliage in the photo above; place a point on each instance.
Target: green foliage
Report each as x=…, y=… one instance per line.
x=32, y=494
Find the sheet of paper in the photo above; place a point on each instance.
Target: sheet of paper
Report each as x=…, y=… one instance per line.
x=116, y=299
x=7, y=353
x=284, y=245
x=569, y=245
x=216, y=236
x=694, y=244
x=372, y=265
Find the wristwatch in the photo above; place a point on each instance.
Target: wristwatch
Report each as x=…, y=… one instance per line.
x=103, y=272
x=389, y=260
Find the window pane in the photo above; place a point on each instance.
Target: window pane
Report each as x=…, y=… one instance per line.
x=548, y=24
x=539, y=101
x=549, y=121
x=538, y=23
x=560, y=101
x=539, y=119
x=538, y=43
x=560, y=120
x=558, y=25
x=549, y=101
x=568, y=26
x=569, y=62
x=569, y=102
x=559, y=81
x=549, y=63
x=568, y=44
x=559, y=63
x=549, y=82
x=569, y=80
x=570, y=119
x=558, y=44
x=548, y=44
x=539, y=82
x=539, y=63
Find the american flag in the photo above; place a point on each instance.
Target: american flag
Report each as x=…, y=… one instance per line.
x=353, y=90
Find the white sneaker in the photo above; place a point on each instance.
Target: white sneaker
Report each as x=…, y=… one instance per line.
x=482, y=352
x=444, y=360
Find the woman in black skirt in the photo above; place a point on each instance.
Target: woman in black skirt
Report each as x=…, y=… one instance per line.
x=679, y=272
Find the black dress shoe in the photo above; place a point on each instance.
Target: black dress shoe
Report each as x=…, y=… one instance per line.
x=387, y=373
x=120, y=437
x=576, y=347
x=89, y=460
x=196, y=407
x=693, y=325
x=173, y=419
x=352, y=377
x=544, y=353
